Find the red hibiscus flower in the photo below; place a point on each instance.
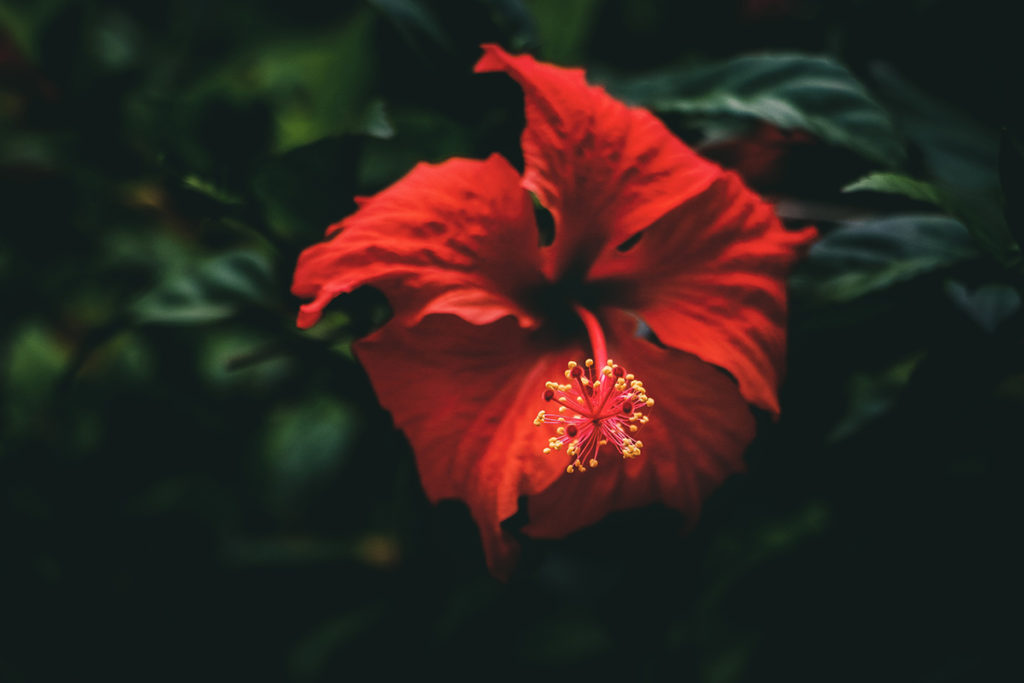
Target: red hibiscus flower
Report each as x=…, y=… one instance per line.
x=486, y=318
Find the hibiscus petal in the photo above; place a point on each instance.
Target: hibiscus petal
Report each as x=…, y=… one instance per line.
x=603, y=169
x=465, y=396
x=709, y=278
x=457, y=237
x=699, y=429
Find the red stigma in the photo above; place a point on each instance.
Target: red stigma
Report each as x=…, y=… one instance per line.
x=596, y=408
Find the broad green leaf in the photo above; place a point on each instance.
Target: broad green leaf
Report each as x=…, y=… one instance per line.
x=791, y=91
x=217, y=289
x=985, y=224
x=867, y=256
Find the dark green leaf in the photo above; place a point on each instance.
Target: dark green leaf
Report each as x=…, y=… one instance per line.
x=814, y=94
x=867, y=256
x=989, y=305
x=306, y=442
x=414, y=21
x=984, y=223
x=308, y=188
x=896, y=183
x=872, y=395
x=563, y=26
x=314, y=87
x=219, y=288
x=956, y=150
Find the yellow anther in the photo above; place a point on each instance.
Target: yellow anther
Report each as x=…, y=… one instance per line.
x=602, y=442
x=590, y=362
x=597, y=385
x=579, y=399
x=560, y=431
x=610, y=363
x=607, y=371
x=593, y=463
x=584, y=381
x=569, y=469
x=539, y=420
x=633, y=428
x=562, y=409
x=546, y=451
x=650, y=402
x=630, y=378
x=572, y=364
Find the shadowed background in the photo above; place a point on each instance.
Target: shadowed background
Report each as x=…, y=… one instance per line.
x=191, y=488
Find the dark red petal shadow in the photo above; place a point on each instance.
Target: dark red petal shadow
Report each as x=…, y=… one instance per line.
x=465, y=396
x=457, y=237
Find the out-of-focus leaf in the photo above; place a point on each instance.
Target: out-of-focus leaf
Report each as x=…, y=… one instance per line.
x=562, y=27
x=790, y=91
x=34, y=363
x=871, y=395
x=865, y=256
x=1011, y=176
x=518, y=22
x=305, y=442
x=988, y=305
x=956, y=150
x=219, y=288
x=308, y=188
x=315, y=88
x=414, y=21
x=985, y=224
x=210, y=189
x=897, y=183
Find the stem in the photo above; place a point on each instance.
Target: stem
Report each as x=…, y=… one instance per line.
x=596, y=335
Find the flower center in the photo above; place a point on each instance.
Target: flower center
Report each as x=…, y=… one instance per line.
x=595, y=409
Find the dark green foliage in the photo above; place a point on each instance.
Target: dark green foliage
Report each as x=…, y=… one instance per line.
x=193, y=489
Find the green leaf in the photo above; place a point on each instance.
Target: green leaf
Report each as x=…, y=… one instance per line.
x=414, y=21
x=989, y=305
x=867, y=256
x=32, y=367
x=217, y=289
x=563, y=26
x=791, y=91
x=306, y=189
x=955, y=149
x=872, y=395
x=314, y=87
x=984, y=223
x=896, y=183
x=305, y=443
